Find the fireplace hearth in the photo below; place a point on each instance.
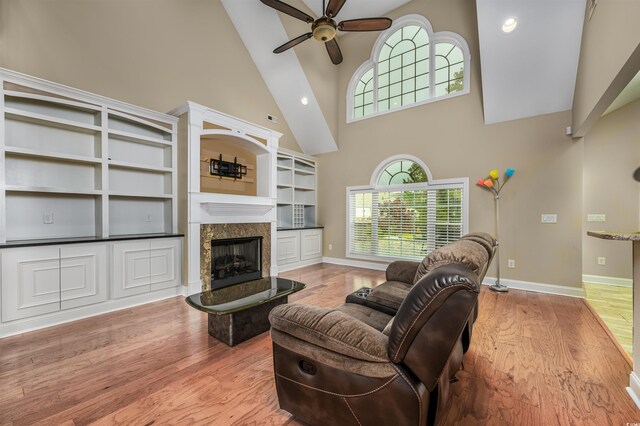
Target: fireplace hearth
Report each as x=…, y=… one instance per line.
x=235, y=260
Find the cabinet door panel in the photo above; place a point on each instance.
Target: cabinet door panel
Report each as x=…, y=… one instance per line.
x=83, y=275
x=30, y=282
x=131, y=269
x=310, y=244
x=165, y=263
x=288, y=247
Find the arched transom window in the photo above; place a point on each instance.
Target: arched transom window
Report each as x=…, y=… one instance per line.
x=402, y=172
x=410, y=65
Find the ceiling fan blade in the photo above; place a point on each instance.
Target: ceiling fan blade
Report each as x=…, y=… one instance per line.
x=365, y=24
x=289, y=10
x=288, y=45
x=334, y=51
x=334, y=6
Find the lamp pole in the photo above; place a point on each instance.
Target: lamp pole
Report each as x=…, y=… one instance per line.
x=497, y=286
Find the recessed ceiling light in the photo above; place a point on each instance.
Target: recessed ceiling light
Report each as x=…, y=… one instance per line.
x=509, y=25
x=304, y=100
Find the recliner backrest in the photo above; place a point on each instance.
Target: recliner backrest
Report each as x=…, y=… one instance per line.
x=431, y=319
x=470, y=253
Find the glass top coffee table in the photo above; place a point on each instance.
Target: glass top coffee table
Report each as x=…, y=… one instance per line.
x=241, y=311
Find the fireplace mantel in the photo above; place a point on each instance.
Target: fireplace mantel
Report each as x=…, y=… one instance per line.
x=224, y=208
x=196, y=208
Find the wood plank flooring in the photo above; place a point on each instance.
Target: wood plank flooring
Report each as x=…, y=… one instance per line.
x=614, y=304
x=534, y=360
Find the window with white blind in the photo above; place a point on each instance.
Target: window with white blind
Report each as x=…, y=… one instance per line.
x=405, y=214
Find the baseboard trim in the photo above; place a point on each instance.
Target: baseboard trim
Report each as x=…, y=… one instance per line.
x=597, y=279
x=560, y=290
x=56, y=318
x=515, y=284
x=634, y=388
x=301, y=264
x=355, y=263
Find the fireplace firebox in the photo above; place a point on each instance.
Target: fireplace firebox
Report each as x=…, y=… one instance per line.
x=235, y=260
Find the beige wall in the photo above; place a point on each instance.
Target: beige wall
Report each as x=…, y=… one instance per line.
x=609, y=58
x=152, y=53
x=611, y=154
x=451, y=137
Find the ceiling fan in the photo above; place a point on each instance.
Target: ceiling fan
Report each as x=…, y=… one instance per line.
x=324, y=28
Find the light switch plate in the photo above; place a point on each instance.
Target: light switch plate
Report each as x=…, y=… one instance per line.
x=549, y=218
x=596, y=218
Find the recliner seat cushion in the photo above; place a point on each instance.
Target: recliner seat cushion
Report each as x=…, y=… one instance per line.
x=371, y=317
x=331, y=329
x=466, y=252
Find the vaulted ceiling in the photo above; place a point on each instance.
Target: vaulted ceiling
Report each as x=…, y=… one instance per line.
x=528, y=72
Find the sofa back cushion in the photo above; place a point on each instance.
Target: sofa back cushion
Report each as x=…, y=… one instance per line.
x=466, y=252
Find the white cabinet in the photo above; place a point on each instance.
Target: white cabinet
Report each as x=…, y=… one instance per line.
x=83, y=275
x=310, y=244
x=299, y=247
x=50, y=284
x=143, y=266
x=288, y=247
x=45, y=279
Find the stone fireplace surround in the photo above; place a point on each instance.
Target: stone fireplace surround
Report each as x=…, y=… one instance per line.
x=221, y=231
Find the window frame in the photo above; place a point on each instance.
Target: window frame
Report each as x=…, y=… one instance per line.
x=431, y=184
x=371, y=63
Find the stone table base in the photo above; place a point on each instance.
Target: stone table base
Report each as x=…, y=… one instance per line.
x=237, y=327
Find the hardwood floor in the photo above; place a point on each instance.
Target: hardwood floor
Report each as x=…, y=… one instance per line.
x=614, y=304
x=534, y=360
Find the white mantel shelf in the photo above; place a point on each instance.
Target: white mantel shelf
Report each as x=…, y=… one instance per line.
x=224, y=208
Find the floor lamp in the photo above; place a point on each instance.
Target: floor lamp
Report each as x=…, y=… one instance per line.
x=492, y=184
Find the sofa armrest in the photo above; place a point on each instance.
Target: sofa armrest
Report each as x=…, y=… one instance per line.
x=402, y=270
x=332, y=330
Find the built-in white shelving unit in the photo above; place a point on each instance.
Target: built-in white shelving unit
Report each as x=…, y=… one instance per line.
x=296, y=190
x=88, y=204
x=74, y=164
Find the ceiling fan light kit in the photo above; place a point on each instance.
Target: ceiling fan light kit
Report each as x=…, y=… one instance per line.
x=324, y=29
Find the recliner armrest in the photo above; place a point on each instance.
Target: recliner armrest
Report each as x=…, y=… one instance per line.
x=332, y=330
x=402, y=270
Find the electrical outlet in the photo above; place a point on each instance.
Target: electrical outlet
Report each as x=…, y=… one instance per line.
x=511, y=263
x=596, y=218
x=330, y=246
x=47, y=218
x=549, y=218
x=602, y=260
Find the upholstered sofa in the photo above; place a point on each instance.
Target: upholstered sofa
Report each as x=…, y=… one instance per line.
x=474, y=250
x=355, y=365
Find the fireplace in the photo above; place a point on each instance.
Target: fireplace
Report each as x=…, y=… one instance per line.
x=235, y=260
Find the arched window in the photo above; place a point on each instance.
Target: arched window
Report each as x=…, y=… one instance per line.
x=404, y=213
x=409, y=66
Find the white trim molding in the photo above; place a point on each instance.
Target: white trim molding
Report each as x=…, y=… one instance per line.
x=372, y=63
x=560, y=290
x=634, y=388
x=356, y=263
x=615, y=281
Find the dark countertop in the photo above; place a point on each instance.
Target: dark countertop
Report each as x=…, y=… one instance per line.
x=78, y=240
x=299, y=228
x=619, y=236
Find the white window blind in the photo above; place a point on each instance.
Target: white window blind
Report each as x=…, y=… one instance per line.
x=404, y=223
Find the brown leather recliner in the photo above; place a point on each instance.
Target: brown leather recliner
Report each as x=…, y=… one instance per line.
x=345, y=366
